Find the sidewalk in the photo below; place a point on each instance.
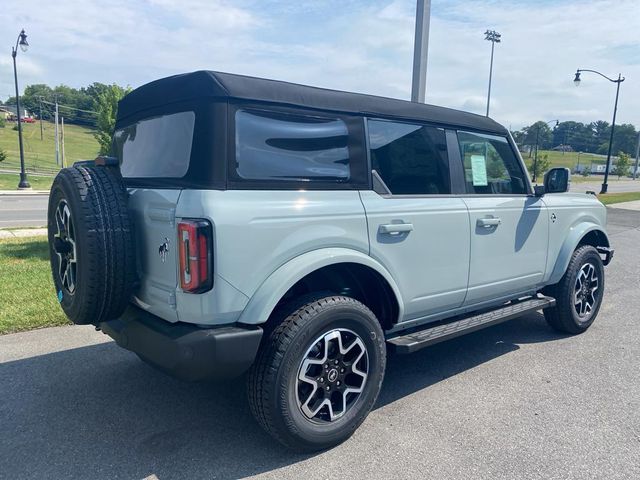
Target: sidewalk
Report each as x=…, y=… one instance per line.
x=22, y=232
x=633, y=205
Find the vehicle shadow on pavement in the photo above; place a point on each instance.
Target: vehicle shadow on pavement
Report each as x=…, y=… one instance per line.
x=99, y=412
x=407, y=374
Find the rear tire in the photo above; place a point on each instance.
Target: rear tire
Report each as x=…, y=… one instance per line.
x=578, y=294
x=306, y=391
x=91, y=244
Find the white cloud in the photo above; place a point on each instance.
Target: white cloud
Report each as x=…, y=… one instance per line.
x=346, y=44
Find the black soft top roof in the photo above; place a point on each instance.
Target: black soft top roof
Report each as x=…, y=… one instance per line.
x=205, y=85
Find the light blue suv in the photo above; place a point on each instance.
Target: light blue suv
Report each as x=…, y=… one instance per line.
x=298, y=234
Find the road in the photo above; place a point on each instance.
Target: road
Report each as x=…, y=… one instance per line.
x=615, y=186
x=22, y=210
x=514, y=401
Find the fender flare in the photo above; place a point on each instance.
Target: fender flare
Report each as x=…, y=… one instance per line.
x=269, y=293
x=576, y=234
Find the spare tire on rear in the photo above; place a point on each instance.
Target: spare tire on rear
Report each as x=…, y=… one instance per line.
x=91, y=243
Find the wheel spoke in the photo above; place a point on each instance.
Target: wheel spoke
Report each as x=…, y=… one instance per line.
x=65, y=247
x=326, y=375
x=584, y=293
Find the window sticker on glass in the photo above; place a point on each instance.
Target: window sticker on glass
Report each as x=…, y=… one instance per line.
x=479, y=170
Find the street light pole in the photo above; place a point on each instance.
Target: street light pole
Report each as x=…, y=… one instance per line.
x=576, y=81
x=635, y=170
x=420, y=51
x=493, y=37
x=22, y=42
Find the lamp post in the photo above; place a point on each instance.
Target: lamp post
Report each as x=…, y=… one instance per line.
x=493, y=37
x=24, y=45
x=535, y=158
x=635, y=170
x=618, y=81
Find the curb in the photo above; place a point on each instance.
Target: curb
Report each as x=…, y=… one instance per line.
x=24, y=192
x=23, y=232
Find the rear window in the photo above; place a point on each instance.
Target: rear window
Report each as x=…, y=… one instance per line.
x=289, y=147
x=158, y=147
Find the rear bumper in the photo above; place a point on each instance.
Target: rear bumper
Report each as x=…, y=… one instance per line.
x=183, y=350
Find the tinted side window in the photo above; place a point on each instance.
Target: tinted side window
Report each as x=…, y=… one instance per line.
x=410, y=158
x=278, y=146
x=490, y=166
x=157, y=147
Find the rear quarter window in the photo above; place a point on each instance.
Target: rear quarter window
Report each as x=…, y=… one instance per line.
x=274, y=146
x=156, y=147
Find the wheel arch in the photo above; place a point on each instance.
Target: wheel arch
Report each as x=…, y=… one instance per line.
x=585, y=233
x=321, y=270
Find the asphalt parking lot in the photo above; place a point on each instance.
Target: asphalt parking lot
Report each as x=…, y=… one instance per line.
x=514, y=401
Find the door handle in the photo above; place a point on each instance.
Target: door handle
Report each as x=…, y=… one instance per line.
x=395, y=228
x=488, y=222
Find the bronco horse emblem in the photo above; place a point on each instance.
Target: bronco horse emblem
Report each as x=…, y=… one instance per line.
x=164, y=250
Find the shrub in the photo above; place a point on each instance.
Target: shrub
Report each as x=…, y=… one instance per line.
x=622, y=165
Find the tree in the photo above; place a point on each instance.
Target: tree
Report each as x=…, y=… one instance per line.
x=541, y=166
x=3, y=156
x=575, y=134
x=540, y=131
x=600, y=132
x=624, y=138
x=622, y=165
x=106, y=106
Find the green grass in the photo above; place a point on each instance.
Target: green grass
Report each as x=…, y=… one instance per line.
x=609, y=198
x=9, y=181
x=27, y=297
x=79, y=145
x=569, y=159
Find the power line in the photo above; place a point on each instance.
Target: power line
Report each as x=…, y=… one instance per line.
x=60, y=105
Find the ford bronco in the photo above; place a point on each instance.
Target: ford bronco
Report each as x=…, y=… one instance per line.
x=298, y=234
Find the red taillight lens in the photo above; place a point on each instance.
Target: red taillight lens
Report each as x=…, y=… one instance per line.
x=194, y=248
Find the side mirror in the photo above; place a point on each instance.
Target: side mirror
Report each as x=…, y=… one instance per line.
x=557, y=180
x=539, y=190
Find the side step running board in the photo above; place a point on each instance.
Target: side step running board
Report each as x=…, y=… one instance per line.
x=416, y=340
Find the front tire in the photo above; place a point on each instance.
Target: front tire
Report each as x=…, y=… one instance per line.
x=318, y=373
x=578, y=294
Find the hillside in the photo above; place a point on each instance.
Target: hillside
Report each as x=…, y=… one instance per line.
x=40, y=154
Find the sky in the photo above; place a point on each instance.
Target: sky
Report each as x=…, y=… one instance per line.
x=355, y=45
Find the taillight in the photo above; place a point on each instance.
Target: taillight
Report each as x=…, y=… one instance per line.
x=194, y=248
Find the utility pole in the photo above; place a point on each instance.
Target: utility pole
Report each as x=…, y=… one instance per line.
x=56, y=134
x=420, y=51
x=62, y=128
x=41, y=128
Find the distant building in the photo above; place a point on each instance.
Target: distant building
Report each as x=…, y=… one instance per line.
x=563, y=148
x=8, y=112
x=598, y=169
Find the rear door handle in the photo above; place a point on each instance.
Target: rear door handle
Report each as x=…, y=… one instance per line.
x=488, y=222
x=395, y=228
